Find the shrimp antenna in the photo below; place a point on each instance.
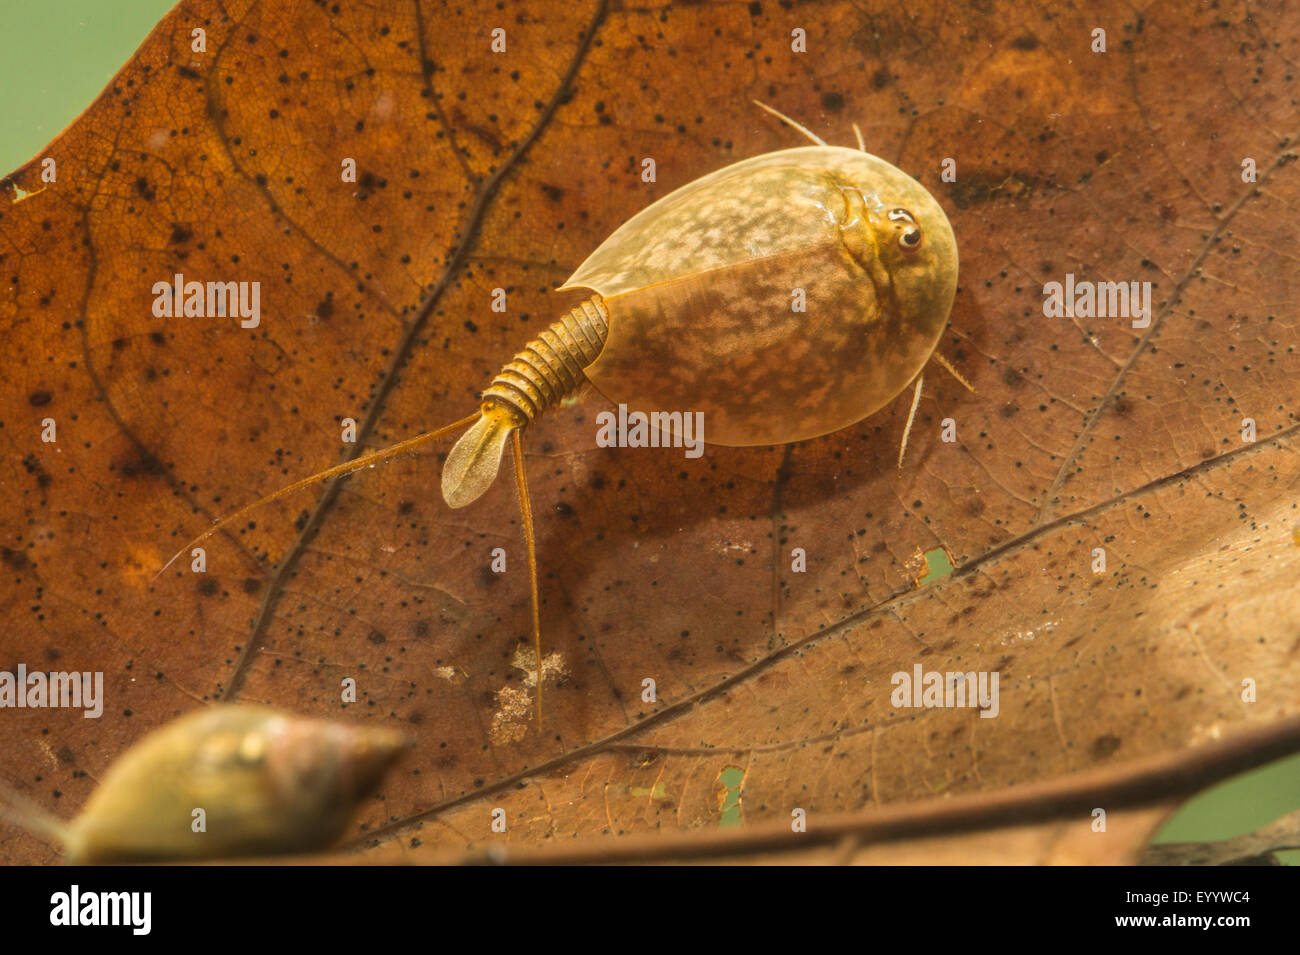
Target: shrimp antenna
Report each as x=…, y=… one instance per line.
x=916, y=399
x=784, y=118
x=911, y=416
x=530, y=542
x=944, y=363
x=347, y=467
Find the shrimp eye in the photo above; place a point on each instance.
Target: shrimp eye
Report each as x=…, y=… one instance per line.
x=910, y=239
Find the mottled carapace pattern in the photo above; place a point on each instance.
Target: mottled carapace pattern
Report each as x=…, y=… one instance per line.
x=701, y=288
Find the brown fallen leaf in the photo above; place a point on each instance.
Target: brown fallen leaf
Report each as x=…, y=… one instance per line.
x=481, y=170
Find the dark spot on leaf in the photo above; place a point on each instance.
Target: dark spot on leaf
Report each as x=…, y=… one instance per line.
x=39, y=399
x=143, y=463
x=32, y=465
x=1104, y=746
x=987, y=185
x=207, y=586
x=1026, y=42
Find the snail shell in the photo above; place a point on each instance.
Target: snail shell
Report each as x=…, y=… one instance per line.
x=700, y=288
x=269, y=782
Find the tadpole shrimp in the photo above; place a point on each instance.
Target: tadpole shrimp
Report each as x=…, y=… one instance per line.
x=699, y=283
